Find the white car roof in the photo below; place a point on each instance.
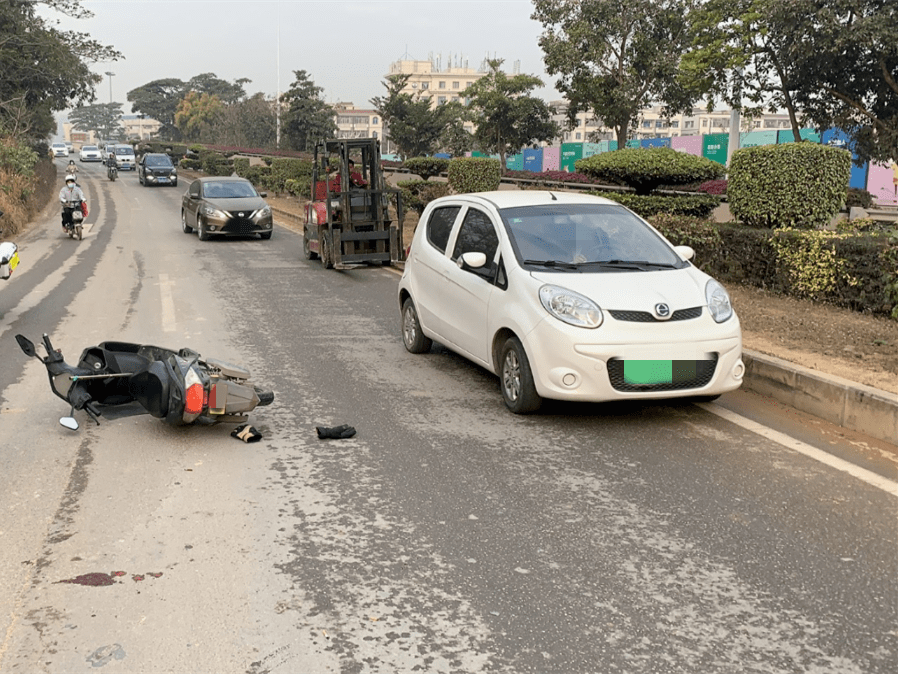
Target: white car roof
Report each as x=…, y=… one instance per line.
x=513, y=198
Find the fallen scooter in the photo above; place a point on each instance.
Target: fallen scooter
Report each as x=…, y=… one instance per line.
x=179, y=387
x=9, y=257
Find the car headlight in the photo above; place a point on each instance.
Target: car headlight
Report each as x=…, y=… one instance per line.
x=718, y=301
x=570, y=307
x=213, y=213
x=263, y=212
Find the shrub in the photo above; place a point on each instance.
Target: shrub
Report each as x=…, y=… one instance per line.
x=713, y=187
x=241, y=166
x=191, y=164
x=427, y=167
x=416, y=194
x=645, y=169
x=16, y=157
x=702, y=236
x=215, y=165
x=289, y=168
x=259, y=176
x=474, y=174
x=799, y=185
x=695, y=205
x=858, y=197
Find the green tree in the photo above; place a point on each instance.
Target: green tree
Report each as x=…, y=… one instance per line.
x=456, y=139
x=198, y=115
x=44, y=70
x=849, y=68
x=103, y=119
x=410, y=122
x=615, y=58
x=209, y=83
x=307, y=118
x=250, y=122
x=506, y=118
x=744, y=53
x=159, y=100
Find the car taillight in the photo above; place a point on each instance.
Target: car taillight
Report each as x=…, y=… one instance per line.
x=195, y=399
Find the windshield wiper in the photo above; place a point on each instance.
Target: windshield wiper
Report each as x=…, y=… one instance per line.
x=552, y=263
x=633, y=264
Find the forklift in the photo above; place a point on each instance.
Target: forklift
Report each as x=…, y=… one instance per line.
x=348, y=220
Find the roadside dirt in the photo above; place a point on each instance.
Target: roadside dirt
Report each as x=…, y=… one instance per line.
x=832, y=340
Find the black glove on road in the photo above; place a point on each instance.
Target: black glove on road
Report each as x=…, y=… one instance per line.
x=335, y=433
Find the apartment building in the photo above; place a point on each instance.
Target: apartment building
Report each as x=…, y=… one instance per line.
x=441, y=85
x=652, y=124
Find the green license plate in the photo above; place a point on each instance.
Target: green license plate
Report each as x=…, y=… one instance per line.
x=645, y=372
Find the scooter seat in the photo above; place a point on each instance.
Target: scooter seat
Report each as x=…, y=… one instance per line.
x=151, y=389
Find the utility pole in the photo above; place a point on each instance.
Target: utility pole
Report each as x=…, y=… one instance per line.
x=277, y=102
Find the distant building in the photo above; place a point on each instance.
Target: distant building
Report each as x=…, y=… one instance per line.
x=133, y=127
x=440, y=85
x=652, y=124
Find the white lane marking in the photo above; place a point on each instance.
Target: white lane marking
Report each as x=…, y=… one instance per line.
x=868, y=476
x=168, y=304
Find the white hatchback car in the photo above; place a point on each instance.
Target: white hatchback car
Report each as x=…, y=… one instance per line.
x=59, y=150
x=90, y=153
x=567, y=296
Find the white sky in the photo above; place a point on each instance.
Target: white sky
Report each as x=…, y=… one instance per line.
x=345, y=46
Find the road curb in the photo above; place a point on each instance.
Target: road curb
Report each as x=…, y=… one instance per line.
x=851, y=405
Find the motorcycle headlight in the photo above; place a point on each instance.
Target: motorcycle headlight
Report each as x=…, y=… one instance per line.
x=718, y=301
x=570, y=307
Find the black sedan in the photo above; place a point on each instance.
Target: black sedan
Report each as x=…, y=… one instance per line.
x=156, y=169
x=225, y=206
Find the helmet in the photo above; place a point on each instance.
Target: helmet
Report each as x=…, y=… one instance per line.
x=70, y=179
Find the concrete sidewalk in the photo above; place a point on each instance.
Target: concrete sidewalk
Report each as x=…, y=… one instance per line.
x=851, y=405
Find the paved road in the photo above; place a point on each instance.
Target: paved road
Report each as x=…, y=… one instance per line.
x=447, y=536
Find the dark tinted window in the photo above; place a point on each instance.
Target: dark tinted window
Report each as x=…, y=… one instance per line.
x=439, y=226
x=477, y=235
x=159, y=160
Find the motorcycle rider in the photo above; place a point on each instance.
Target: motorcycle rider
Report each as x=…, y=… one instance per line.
x=70, y=193
x=111, y=167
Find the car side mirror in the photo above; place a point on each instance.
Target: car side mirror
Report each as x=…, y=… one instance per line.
x=685, y=252
x=471, y=260
x=263, y=194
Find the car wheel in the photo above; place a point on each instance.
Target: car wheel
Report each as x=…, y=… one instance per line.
x=187, y=228
x=306, y=248
x=412, y=337
x=516, y=378
x=265, y=236
x=201, y=231
x=174, y=183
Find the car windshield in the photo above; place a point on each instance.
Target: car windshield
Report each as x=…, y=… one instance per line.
x=228, y=190
x=124, y=150
x=586, y=237
x=59, y=145
x=158, y=161
x=89, y=148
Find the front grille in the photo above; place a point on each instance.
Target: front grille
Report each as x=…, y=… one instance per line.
x=646, y=317
x=240, y=225
x=687, y=374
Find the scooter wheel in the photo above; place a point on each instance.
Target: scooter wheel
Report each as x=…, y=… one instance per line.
x=78, y=230
x=265, y=397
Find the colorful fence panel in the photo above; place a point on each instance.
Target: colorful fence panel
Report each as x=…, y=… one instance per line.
x=882, y=183
x=655, y=142
x=755, y=138
x=714, y=147
x=551, y=158
x=838, y=138
x=533, y=160
x=570, y=153
x=589, y=149
x=788, y=136
x=515, y=162
x=688, y=144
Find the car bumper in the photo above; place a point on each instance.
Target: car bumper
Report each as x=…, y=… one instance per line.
x=704, y=358
x=160, y=180
x=238, y=226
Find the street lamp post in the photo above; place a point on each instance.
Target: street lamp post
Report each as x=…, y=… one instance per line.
x=110, y=75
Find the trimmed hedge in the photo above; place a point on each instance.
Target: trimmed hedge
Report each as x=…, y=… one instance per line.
x=426, y=167
x=289, y=168
x=695, y=205
x=857, y=271
x=800, y=185
x=241, y=166
x=474, y=174
x=646, y=169
x=416, y=194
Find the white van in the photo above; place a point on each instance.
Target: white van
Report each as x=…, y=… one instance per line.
x=124, y=157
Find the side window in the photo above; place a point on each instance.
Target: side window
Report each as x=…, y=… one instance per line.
x=477, y=235
x=439, y=226
x=195, y=189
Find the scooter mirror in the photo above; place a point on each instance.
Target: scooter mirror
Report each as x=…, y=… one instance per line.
x=69, y=422
x=27, y=345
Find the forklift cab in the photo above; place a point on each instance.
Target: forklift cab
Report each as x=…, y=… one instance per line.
x=349, y=221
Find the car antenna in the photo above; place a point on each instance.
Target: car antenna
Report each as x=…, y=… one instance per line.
x=554, y=198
